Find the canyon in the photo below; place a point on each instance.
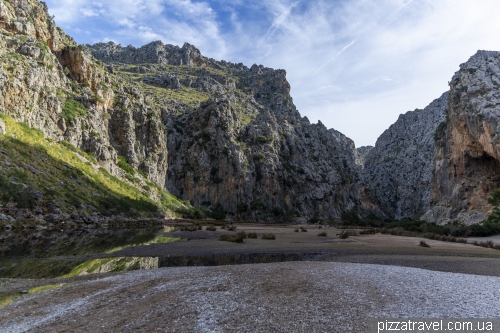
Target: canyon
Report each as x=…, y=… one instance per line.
x=162, y=131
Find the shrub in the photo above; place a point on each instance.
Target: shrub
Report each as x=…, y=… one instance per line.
x=303, y=229
x=242, y=234
x=73, y=109
x=370, y=231
x=322, y=234
x=268, y=236
x=205, y=135
x=296, y=230
x=231, y=238
x=231, y=228
x=211, y=228
x=262, y=139
x=351, y=218
x=218, y=215
x=344, y=235
x=252, y=235
x=189, y=228
x=423, y=244
x=122, y=163
x=440, y=131
x=258, y=157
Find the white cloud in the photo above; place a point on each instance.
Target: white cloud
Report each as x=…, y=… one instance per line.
x=356, y=64
x=141, y=21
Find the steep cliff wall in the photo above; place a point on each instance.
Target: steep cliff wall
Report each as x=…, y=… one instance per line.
x=362, y=153
x=221, y=135
x=398, y=170
x=467, y=151
x=236, y=143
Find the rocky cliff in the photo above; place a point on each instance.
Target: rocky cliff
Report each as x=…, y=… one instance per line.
x=236, y=143
x=362, y=153
x=120, y=127
x=221, y=135
x=398, y=170
x=467, y=150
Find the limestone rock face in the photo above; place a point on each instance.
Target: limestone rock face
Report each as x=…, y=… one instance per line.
x=236, y=144
x=224, y=136
x=398, y=170
x=43, y=74
x=362, y=153
x=467, y=151
x=31, y=18
x=279, y=164
x=154, y=52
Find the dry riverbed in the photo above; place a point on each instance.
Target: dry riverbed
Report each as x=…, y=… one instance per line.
x=349, y=280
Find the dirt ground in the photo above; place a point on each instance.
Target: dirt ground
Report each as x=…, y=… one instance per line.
x=127, y=302
x=276, y=297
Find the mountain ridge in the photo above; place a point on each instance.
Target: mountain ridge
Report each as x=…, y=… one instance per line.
x=228, y=140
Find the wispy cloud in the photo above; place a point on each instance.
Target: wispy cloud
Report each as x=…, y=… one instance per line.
x=335, y=56
x=403, y=6
x=354, y=64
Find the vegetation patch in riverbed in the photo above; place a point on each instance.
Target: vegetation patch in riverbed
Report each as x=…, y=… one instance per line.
x=7, y=298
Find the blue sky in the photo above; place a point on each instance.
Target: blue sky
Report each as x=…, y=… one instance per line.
x=353, y=64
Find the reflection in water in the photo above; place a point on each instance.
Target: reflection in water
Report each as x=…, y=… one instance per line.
x=69, y=242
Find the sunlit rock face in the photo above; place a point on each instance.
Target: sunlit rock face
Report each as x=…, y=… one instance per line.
x=467, y=152
x=235, y=141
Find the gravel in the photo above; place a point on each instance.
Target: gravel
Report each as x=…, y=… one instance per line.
x=278, y=297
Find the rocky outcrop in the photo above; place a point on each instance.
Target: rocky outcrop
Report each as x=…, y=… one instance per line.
x=398, y=170
x=221, y=135
x=276, y=167
x=31, y=18
x=152, y=53
x=44, y=76
x=467, y=151
x=362, y=153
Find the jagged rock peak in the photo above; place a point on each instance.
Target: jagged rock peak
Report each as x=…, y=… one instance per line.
x=362, y=153
x=467, y=153
x=398, y=170
x=155, y=52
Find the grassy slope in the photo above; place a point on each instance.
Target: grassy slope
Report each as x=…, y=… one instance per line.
x=69, y=177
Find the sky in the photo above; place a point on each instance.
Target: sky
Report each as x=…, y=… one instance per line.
x=356, y=65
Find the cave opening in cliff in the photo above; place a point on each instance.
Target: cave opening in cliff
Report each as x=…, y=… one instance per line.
x=485, y=168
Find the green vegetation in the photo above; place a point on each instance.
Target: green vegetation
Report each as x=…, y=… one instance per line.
x=122, y=163
x=73, y=109
x=268, y=236
x=261, y=139
x=7, y=298
x=96, y=265
x=409, y=227
x=440, y=131
x=41, y=257
x=487, y=244
x=80, y=243
x=252, y=235
x=423, y=244
x=48, y=287
x=231, y=238
x=68, y=176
